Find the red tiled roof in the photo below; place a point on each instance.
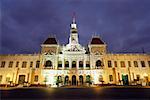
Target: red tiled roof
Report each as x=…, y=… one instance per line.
x=50, y=41
x=96, y=40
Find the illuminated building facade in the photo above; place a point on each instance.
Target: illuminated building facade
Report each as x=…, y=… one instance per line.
x=73, y=64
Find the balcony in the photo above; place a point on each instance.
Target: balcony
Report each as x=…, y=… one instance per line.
x=48, y=67
x=99, y=67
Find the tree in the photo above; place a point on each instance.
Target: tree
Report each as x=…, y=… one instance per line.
x=45, y=80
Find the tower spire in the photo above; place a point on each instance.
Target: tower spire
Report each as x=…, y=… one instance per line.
x=74, y=18
x=73, y=31
x=73, y=25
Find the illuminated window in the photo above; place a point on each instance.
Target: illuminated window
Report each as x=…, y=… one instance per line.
x=81, y=79
x=66, y=64
x=138, y=77
x=88, y=79
x=149, y=63
x=109, y=63
x=10, y=64
x=17, y=63
x=1, y=78
x=59, y=64
x=74, y=64
x=100, y=78
x=115, y=63
x=98, y=63
x=7, y=79
x=129, y=63
x=24, y=64
x=122, y=63
x=88, y=64
x=80, y=64
x=110, y=78
x=31, y=64
x=59, y=79
x=3, y=64
x=36, y=78
x=142, y=63
x=37, y=64
x=48, y=63
x=135, y=64
x=66, y=81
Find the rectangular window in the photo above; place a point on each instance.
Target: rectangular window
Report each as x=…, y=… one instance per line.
x=31, y=64
x=10, y=64
x=122, y=63
x=142, y=63
x=67, y=64
x=17, y=63
x=149, y=63
x=88, y=64
x=59, y=64
x=3, y=64
x=80, y=64
x=24, y=64
x=109, y=63
x=36, y=78
x=110, y=78
x=115, y=63
x=135, y=64
x=138, y=77
x=7, y=79
x=129, y=64
x=1, y=78
x=37, y=64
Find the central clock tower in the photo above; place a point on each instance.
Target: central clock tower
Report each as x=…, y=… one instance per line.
x=73, y=33
x=73, y=45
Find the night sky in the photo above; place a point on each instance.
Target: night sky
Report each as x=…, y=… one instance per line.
x=123, y=24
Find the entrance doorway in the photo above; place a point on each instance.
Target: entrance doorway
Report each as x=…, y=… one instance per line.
x=66, y=82
x=73, y=80
x=21, y=79
x=125, y=80
x=81, y=79
x=88, y=79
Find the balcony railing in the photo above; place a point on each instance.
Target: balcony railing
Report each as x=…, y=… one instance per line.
x=99, y=67
x=48, y=67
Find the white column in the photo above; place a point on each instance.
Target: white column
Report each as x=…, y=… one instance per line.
x=53, y=64
x=63, y=64
x=91, y=62
x=70, y=64
x=112, y=64
x=77, y=64
x=84, y=64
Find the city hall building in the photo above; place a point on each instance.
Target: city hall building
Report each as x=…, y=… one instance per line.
x=73, y=64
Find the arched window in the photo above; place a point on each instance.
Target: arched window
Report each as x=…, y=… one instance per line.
x=98, y=63
x=88, y=64
x=81, y=64
x=37, y=64
x=81, y=79
x=48, y=63
x=74, y=64
x=67, y=64
x=88, y=79
x=66, y=81
x=59, y=64
x=59, y=79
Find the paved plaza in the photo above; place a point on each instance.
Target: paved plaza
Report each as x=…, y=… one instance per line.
x=81, y=93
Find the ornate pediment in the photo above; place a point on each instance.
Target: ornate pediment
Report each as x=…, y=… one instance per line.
x=73, y=48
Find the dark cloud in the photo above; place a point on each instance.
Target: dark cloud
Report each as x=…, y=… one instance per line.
x=123, y=24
